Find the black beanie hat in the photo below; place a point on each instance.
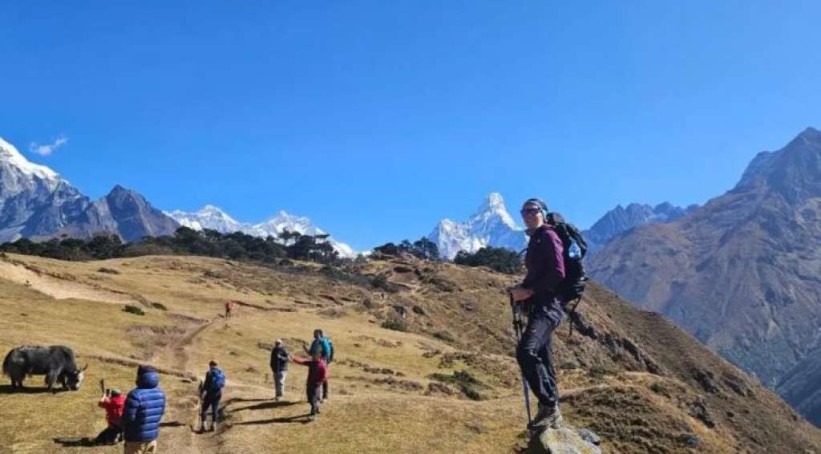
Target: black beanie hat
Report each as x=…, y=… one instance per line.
x=538, y=202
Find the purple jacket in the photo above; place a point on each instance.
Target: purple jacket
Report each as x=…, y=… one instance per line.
x=545, y=263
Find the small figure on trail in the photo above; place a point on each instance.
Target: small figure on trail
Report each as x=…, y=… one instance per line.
x=229, y=306
x=144, y=409
x=211, y=393
x=317, y=374
x=279, y=368
x=537, y=293
x=323, y=347
x=113, y=402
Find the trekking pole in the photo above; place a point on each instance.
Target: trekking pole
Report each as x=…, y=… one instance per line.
x=518, y=329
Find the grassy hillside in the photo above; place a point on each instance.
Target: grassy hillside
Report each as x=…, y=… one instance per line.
x=446, y=383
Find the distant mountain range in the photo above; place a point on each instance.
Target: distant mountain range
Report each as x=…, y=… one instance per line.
x=211, y=217
x=492, y=225
x=37, y=203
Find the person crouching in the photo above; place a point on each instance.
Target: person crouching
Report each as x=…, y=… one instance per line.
x=113, y=402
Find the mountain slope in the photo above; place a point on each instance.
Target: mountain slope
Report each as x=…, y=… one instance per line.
x=632, y=377
x=35, y=202
x=742, y=272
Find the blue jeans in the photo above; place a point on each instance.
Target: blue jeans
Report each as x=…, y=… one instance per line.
x=535, y=351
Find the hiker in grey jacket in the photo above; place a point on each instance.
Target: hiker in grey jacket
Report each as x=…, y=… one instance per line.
x=279, y=368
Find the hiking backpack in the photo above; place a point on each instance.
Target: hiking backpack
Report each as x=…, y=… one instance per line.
x=217, y=379
x=575, y=248
x=327, y=349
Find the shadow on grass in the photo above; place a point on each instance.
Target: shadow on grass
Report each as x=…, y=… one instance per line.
x=172, y=424
x=7, y=389
x=84, y=442
x=266, y=406
x=298, y=419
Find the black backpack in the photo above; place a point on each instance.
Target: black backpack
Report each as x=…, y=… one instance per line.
x=575, y=248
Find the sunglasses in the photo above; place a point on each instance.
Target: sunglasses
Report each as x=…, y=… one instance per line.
x=530, y=211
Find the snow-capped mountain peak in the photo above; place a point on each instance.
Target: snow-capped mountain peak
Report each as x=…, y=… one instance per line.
x=493, y=210
x=490, y=225
x=208, y=217
x=211, y=217
x=9, y=154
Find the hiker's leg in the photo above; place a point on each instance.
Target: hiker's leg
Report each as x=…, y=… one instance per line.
x=215, y=404
x=325, y=389
x=206, y=402
x=312, y=392
x=555, y=316
x=535, y=337
x=280, y=383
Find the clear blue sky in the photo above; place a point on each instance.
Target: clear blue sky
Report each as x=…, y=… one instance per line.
x=378, y=118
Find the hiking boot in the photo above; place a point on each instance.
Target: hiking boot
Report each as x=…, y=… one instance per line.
x=214, y=426
x=548, y=416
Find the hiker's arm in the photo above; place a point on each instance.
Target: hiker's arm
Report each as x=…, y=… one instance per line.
x=132, y=404
x=207, y=384
x=304, y=362
x=550, y=272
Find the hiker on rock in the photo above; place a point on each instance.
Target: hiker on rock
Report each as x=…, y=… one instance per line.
x=113, y=402
x=279, y=368
x=545, y=271
x=317, y=375
x=211, y=393
x=144, y=409
x=323, y=347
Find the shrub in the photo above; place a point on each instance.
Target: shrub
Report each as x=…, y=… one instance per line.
x=133, y=310
x=396, y=324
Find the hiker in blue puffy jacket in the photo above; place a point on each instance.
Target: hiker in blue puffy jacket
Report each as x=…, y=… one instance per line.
x=211, y=393
x=323, y=347
x=144, y=409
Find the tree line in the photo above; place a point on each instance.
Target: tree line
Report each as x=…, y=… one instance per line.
x=240, y=246
x=185, y=241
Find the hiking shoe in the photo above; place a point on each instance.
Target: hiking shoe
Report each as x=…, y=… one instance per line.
x=548, y=416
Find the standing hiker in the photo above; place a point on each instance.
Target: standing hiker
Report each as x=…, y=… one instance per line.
x=144, y=409
x=323, y=347
x=211, y=393
x=229, y=305
x=113, y=402
x=545, y=271
x=279, y=368
x=317, y=374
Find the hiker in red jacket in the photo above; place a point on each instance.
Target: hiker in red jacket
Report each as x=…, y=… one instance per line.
x=317, y=374
x=113, y=402
x=229, y=305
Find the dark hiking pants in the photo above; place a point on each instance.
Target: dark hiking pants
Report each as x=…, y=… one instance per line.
x=212, y=401
x=314, y=392
x=535, y=351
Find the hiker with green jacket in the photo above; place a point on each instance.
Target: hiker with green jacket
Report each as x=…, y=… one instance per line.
x=545, y=271
x=322, y=347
